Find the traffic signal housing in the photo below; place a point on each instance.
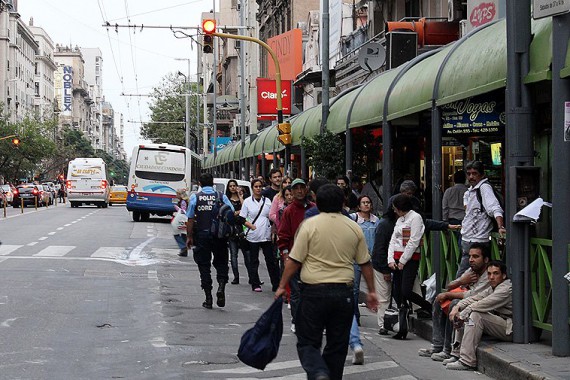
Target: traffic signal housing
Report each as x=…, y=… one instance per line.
x=16, y=142
x=208, y=44
x=284, y=133
x=208, y=27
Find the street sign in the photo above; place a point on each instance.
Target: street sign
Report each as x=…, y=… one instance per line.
x=372, y=56
x=546, y=8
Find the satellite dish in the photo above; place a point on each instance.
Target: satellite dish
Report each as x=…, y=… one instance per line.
x=372, y=56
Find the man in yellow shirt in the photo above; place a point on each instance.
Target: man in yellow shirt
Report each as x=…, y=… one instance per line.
x=325, y=248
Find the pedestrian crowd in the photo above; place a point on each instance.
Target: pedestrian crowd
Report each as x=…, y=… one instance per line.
x=319, y=239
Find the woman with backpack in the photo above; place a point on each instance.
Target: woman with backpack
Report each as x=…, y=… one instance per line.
x=255, y=216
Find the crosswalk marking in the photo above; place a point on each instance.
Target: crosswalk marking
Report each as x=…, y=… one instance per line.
x=349, y=370
x=110, y=253
x=7, y=249
x=270, y=367
x=55, y=251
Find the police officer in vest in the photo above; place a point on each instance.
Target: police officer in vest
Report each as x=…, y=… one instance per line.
x=200, y=217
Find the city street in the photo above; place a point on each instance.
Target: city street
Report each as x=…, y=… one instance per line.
x=86, y=293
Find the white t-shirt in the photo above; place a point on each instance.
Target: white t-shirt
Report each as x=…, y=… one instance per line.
x=249, y=211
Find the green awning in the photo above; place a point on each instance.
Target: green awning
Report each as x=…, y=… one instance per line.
x=305, y=124
x=208, y=161
x=338, y=113
x=237, y=150
x=477, y=66
x=369, y=106
x=414, y=91
x=540, y=51
x=258, y=144
x=249, y=150
x=270, y=142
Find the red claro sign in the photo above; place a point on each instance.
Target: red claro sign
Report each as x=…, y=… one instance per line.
x=482, y=14
x=267, y=97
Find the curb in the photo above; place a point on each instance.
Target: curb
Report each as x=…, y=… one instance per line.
x=492, y=360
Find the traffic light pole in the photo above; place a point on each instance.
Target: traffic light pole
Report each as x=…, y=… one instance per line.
x=277, y=84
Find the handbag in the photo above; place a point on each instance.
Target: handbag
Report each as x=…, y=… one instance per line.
x=178, y=223
x=260, y=344
x=445, y=304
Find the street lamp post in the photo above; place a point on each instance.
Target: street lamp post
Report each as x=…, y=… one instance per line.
x=187, y=98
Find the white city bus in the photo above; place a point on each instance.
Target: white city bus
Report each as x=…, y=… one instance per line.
x=87, y=182
x=157, y=171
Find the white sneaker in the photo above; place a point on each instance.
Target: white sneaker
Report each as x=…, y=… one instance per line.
x=358, y=357
x=293, y=330
x=289, y=306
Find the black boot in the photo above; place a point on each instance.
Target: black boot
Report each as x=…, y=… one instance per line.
x=221, y=295
x=209, y=300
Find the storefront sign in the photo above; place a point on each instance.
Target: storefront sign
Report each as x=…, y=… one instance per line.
x=267, y=97
x=482, y=115
x=480, y=12
x=289, y=50
x=221, y=143
x=546, y=8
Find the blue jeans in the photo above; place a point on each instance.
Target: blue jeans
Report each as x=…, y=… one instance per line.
x=354, y=339
x=181, y=241
x=442, y=328
x=357, y=275
x=324, y=306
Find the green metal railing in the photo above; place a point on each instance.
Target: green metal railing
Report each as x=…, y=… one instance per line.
x=541, y=282
x=540, y=265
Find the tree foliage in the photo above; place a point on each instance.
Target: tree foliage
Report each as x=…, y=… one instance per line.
x=168, y=111
x=325, y=154
x=29, y=159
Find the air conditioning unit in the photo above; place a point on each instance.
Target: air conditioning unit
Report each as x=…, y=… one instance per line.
x=401, y=47
x=455, y=9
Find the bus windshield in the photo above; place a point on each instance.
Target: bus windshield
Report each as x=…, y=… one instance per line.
x=160, y=165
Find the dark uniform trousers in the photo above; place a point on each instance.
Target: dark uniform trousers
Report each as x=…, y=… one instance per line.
x=206, y=247
x=330, y=307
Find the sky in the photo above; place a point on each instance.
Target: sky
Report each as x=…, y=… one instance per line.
x=134, y=59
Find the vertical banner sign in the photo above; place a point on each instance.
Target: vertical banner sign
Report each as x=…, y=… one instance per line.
x=67, y=90
x=566, y=121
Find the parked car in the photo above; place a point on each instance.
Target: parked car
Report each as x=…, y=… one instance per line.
x=7, y=193
x=48, y=195
x=52, y=189
x=118, y=195
x=29, y=193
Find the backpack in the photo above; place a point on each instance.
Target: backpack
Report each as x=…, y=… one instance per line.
x=223, y=219
x=499, y=197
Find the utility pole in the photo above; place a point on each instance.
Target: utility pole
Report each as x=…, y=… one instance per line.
x=325, y=79
x=187, y=102
x=242, y=165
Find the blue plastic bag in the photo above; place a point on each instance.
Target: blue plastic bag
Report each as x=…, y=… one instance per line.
x=260, y=344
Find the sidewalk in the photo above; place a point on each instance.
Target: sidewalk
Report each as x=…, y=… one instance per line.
x=502, y=360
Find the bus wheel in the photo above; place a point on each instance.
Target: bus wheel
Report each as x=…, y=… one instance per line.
x=104, y=205
x=136, y=216
x=145, y=216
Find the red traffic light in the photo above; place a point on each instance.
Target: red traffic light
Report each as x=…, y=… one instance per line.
x=209, y=26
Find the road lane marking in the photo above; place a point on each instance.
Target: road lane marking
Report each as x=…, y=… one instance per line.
x=42, y=238
x=55, y=251
x=6, y=249
x=51, y=233
x=270, y=367
x=111, y=253
x=59, y=228
x=32, y=243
